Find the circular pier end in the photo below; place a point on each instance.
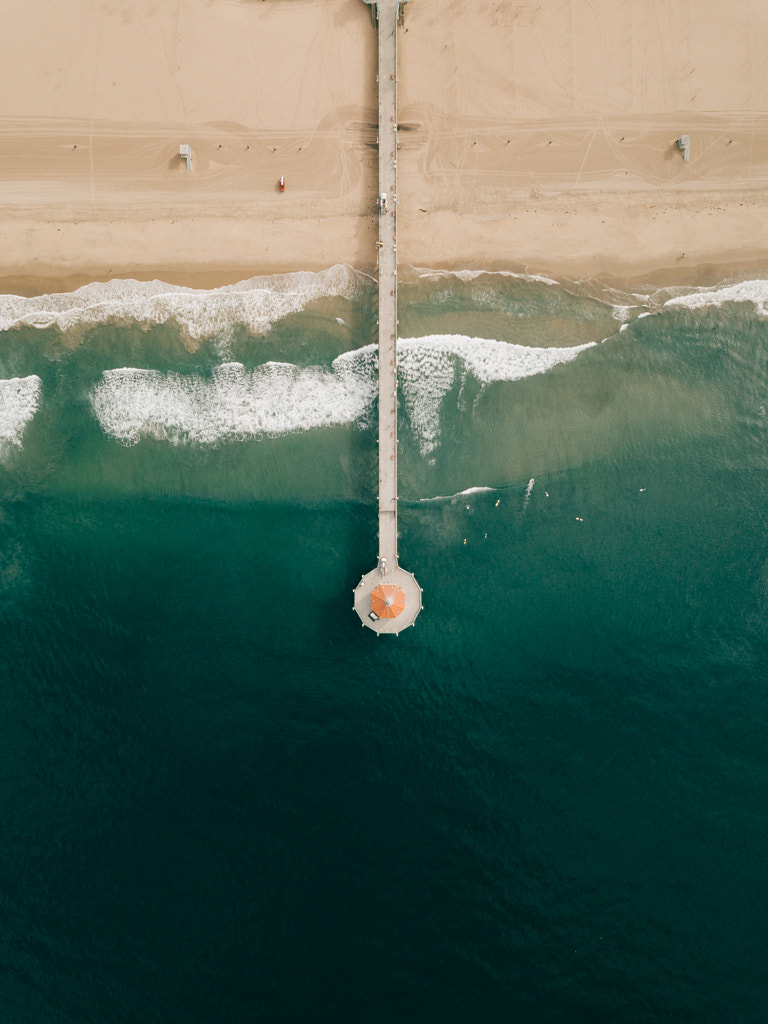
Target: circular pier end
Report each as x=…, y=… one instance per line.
x=388, y=602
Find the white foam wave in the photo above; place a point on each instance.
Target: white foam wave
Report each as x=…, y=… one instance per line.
x=487, y=359
x=746, y=291
x=471, y=275
x=528, y=491
x=428, y=367
x=233, y=403
x=279, y=398
x=459, y=494
x=255, y=303
x=473, y=490
x=19, y=401
x=426, y=374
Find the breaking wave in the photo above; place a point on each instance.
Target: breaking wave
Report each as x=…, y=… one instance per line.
x=746, y=291
x=234, y=403
x=255, y=303
x=459, y=494
x=19, y=401
x=471, y=275
x=280, y=398
x=430, y=366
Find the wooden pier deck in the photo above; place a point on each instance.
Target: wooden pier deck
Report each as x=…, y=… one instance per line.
x=385, y=16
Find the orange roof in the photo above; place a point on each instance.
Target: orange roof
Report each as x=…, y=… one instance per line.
x=387, y=600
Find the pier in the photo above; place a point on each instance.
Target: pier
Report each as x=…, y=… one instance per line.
x=387, y=598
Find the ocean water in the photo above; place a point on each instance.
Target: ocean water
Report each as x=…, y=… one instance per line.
x=223, y=800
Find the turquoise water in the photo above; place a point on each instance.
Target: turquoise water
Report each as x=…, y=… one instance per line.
x=224, y=800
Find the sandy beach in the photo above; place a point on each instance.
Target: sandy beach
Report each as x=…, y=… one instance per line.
x=536, y=136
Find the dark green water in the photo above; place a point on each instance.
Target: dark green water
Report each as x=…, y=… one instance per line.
x=223, y=800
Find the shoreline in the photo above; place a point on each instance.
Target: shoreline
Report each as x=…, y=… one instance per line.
x=704, y=275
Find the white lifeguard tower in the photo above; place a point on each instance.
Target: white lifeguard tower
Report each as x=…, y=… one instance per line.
x=185, y=152
x=684, y=143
